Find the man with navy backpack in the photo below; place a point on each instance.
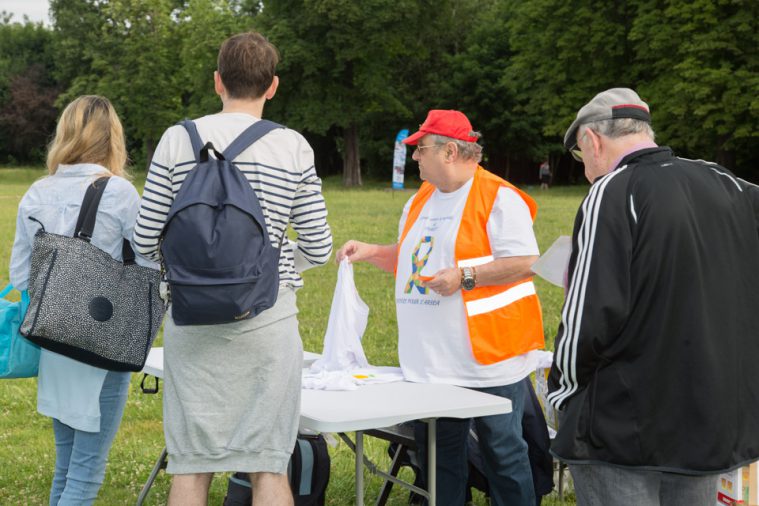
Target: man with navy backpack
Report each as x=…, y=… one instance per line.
x=220, y=194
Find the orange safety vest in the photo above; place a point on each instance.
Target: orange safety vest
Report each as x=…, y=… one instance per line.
x=504, y=320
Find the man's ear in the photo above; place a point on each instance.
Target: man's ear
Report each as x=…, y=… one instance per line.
x=272, y=88
x=451, y=151
x=218, y=86
x=595, y=142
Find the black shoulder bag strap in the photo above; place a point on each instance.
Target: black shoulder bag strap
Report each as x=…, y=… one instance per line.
x=85, y=223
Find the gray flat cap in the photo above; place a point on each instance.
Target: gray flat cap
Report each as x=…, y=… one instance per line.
x=615, y=103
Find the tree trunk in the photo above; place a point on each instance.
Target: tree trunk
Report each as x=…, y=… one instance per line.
x=496, y=163
x=725, y=157
x=149, y=150
x=576, y=171
x=351, y=161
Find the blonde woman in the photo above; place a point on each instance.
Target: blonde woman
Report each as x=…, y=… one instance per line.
x=86, y=403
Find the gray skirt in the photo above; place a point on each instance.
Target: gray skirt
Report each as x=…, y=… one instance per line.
x=231, y=399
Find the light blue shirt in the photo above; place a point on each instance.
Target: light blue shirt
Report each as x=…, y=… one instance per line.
x=69, y=390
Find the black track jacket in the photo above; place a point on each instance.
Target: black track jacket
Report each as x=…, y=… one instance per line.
x=657, y=355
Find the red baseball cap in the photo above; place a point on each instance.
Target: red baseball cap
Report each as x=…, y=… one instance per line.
x=448, y=123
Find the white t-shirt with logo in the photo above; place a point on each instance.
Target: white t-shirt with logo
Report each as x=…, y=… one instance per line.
x=433, y=337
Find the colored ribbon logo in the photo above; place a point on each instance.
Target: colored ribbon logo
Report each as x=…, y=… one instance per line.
x=417, y=264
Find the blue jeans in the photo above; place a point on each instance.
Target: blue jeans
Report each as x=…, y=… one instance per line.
x=504, y=452
x=602, y=485
x=80, y=456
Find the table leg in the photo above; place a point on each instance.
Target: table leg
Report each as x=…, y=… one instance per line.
x=395, y=467
x=432, y=460
x=160, y=464
x=360, y=468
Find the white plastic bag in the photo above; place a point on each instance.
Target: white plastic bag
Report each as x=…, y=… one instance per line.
x=347, y=323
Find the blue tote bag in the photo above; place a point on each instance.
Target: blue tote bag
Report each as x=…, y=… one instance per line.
x=19, y=358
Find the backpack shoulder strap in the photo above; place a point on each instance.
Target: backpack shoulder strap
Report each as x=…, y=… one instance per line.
x=85, y=223
x=192, y=131
x=249, y=136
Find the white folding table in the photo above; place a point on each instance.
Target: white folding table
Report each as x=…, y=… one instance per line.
x=373, y=407
x=384, y=405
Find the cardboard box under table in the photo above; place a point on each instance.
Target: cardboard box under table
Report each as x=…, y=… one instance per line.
x=739, y=487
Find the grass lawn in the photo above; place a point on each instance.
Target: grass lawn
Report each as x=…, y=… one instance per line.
x=27, y=449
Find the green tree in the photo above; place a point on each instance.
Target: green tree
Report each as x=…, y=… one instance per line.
x=564, y=53
x=133, y=62
x=696, y=63
x=472, y=79
x=340, y=62
x=699, y=68
x=28, y=90
x=203, y=26
x=77, y=25
x=154, y=59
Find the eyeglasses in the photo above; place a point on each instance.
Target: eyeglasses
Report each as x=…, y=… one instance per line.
x=576, y=152
x=419, y=147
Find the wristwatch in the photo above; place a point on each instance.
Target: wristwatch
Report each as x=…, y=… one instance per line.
x=467, y=278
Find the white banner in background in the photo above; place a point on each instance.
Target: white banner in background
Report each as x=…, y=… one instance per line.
x=399, y=159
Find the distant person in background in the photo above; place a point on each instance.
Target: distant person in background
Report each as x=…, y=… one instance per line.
x=655, y=372
x=85, y=402
x=545, y=175
x=468, y=314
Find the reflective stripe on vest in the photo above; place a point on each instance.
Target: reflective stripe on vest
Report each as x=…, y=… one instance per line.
x=504, y=320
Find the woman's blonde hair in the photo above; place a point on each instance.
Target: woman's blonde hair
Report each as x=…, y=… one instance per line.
x=89, y=131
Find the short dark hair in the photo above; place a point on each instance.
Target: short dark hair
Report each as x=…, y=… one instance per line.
x=247, y=63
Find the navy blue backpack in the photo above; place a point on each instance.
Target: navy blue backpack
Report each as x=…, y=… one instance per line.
x=216, y=253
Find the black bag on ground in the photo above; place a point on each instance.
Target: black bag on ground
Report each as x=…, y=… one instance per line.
x=86, y=305
x=308, y=474
x=216, y=252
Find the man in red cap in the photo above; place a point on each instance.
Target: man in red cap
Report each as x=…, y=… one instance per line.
x=468, y=314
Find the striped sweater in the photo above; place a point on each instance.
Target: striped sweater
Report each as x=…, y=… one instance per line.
x=280, y=169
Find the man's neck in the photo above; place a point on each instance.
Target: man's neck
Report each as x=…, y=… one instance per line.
x=627, y=145
x=254, y=107
x=458, y=175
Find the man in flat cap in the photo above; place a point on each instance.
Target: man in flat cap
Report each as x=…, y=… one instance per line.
x=655, y=370
x=468, y=314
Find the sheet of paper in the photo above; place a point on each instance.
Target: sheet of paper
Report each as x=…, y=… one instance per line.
x=552, y=265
